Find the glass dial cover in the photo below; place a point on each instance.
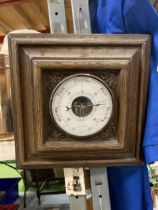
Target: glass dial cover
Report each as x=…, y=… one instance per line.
x=81, y=105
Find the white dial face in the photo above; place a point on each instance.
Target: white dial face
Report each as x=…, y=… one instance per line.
x=81, y=105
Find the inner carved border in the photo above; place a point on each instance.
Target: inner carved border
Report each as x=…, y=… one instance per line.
x=51, y=80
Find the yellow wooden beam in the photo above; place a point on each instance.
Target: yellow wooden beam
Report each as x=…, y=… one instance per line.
x=4, y=27
x=23, y=18
x=39, y=11
x=13, y=2
x=43, y=7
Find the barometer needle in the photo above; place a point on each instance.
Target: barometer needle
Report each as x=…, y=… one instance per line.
x=82, y=106
x=98, y=104
x=67, y=108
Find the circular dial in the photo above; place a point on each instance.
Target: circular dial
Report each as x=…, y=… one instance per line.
x=81, y=105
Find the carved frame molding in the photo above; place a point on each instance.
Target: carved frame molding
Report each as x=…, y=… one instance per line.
x=40, y=62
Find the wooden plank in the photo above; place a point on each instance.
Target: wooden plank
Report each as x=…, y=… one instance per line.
x=5, y=28
x=43, y=5
x=40, y=13
x=19, y=13
x=5, y=25
x=13, y=2
x=2, y=30
x=69, y=19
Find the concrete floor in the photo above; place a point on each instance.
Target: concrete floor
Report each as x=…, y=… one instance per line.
x=48, y=202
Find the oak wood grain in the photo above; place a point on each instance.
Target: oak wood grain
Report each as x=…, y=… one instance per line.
x=40, y=62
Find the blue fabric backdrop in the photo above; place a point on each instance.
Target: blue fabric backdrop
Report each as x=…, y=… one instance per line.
x=129, y=186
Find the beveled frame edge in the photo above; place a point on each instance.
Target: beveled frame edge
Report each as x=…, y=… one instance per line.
x=45, y=63
x=94, y=39
x=115, y=64
x=144, y=79
x=38, y=65
x=66, y=164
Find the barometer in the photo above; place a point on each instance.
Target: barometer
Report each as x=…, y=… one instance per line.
x=79, y=100
x=81, y=105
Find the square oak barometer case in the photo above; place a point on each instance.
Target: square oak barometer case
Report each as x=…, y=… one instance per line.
x=78, y=100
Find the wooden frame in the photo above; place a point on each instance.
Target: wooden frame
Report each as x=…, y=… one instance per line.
x=40, y=62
